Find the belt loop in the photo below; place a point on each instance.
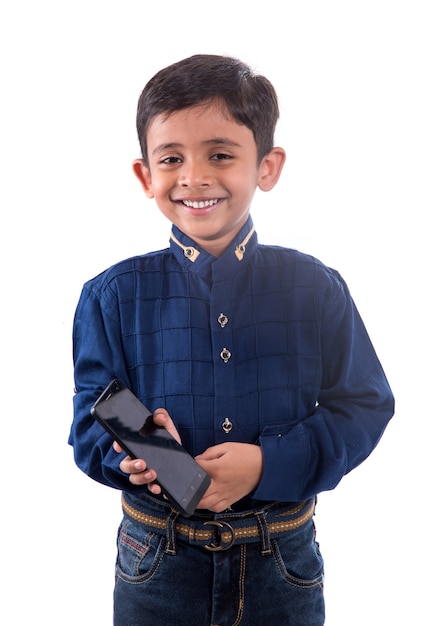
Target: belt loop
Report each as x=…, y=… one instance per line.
x=264, y=532
x=170, y=532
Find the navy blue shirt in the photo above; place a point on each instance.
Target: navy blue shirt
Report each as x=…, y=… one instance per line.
x=261, y=345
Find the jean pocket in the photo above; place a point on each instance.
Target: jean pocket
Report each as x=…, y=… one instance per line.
x=140, y=552
x=298, y=558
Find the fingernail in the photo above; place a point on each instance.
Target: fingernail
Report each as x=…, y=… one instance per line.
x=147, y=474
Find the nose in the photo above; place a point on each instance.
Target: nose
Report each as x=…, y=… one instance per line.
x=195, y=173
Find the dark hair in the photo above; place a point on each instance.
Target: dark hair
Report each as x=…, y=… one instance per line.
x=249, y=98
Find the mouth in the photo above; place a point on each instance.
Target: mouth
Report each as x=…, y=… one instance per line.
x=200, y=204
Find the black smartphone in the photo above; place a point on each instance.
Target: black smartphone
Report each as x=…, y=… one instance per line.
x=131, y=424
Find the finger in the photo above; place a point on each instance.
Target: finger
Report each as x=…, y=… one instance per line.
x=144, y=477
x=132, y=466
x=155, y=489
x=117, y=447
x=162, y=418
x=214, y=452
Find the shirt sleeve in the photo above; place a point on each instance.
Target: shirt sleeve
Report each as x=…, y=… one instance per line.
x=354, y=405
x=98, y=359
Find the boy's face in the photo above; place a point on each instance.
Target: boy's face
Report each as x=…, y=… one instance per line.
x=203, y=173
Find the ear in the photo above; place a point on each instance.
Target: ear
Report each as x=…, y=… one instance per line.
x=143, y=175
x=270, y=169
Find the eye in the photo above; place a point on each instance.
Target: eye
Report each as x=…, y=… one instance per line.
x=171, y=159
x=221, y=156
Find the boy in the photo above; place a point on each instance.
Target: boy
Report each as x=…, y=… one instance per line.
x=253, y=356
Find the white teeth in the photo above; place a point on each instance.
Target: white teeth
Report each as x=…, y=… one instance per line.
x=203, y=204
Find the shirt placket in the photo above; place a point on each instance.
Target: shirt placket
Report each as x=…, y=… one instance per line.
x=224, y=358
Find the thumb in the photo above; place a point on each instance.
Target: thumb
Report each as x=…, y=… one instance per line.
x=162, y=418
x=214, y=452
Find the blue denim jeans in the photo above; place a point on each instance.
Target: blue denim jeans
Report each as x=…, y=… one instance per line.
x=162, y=580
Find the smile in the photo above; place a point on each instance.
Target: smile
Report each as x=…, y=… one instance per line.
x=202, y=204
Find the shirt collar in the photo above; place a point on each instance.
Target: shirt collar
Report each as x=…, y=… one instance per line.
x=190, y=254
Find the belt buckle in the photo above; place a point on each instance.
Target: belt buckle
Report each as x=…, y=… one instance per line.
x=218, y=547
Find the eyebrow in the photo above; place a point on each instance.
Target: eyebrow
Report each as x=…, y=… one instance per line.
x=216, y=141
x=223, y=141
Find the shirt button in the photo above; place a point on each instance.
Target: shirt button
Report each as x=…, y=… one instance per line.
x=227, y=425
x=225, y=355
x=223, y=320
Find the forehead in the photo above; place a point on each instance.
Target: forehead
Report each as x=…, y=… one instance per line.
x=196, y=123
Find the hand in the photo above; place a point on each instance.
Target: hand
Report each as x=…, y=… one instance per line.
x=139, y=473
x=235, y=470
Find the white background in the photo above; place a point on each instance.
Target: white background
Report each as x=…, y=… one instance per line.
x=356, y=86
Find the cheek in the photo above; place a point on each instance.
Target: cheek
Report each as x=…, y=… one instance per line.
x=238, y=182
x=244, y=186
x=158, y=189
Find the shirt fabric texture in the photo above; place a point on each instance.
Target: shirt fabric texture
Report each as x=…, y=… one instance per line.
x=264, y=338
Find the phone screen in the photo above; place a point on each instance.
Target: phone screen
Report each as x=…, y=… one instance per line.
x=130, y=423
